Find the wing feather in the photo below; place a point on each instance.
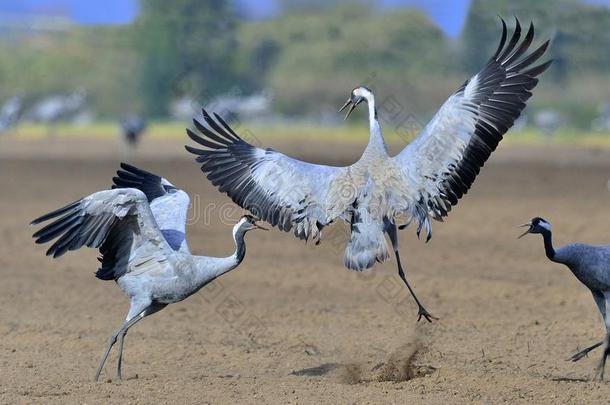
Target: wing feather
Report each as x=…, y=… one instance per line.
x=285, y=192
x=443, y=161
x=168, y=204
x=113, y=221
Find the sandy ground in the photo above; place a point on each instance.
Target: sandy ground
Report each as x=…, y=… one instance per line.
x=291, y=325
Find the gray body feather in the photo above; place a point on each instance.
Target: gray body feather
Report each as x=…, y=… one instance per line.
x=590, y=264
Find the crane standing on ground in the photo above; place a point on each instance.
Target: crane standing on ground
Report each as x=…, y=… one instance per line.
x=138, y=226
x=132, y=128
x=591, y=266
x=374, y=194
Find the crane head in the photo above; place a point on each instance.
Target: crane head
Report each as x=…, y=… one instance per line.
x=358, y=95
x=536, y=225
x=249, y=222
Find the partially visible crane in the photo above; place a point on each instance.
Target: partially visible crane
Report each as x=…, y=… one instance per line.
x=132, y=127
x=10, y=113
x=142, y=246
x=591, y=266
x=379, y=194
x=59, y=107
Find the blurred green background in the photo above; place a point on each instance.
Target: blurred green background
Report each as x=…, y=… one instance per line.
x=295, y=67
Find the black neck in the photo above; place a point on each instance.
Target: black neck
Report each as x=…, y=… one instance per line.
x=548, y=244
x=240, y=246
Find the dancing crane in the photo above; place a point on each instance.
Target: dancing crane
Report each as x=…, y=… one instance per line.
x=138, y=227
x=379, y=194
x=591, y=266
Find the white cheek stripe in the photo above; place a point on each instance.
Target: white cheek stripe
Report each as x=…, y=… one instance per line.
x=237, y=225
x=545, y=225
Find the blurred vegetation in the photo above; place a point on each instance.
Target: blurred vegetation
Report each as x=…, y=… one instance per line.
x=579, y=79
x=98, y=59
x=309, y=57
x=185, y=47
x=318, y=58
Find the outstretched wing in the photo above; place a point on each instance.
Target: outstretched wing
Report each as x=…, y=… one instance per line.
x=168, y=204
x=150, y=184
x=283, y=191
x=441, y=164
x=117, y=222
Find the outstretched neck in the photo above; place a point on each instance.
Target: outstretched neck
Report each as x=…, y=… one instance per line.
x=376, y=141
x=370, y=100
x=548, y=245
x=210, y=268
x=240, y=251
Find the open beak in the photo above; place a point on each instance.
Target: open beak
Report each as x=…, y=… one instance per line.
x=257, y=226
x=526, y=232
x=351, y=105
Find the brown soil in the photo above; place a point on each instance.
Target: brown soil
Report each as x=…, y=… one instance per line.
x=291, y=325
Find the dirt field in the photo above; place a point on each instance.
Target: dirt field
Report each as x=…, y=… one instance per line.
x=291, y=325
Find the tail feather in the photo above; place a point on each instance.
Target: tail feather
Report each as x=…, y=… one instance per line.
x=367, y=246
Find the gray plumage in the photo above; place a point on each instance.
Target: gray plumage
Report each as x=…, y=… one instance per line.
x=10, y=113
x=379, y=193
x=134, y=226
x=591, y=266
x=132, y=127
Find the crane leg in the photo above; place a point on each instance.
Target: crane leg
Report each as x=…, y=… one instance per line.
x=134, y=314
x=421, y=311
x=585, y=352
x=111, y=343
x=602, y=363
x=121, y=337
x=391, y=230
x=154, y=307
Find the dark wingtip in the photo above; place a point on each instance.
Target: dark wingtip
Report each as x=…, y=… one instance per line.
x=192, y=150
x=204, y=112
x=37, y=221
x=193, y=136
x=56, y=213
x=502, y=39
x=126, y=166
x=517, y=23
x=535, y=71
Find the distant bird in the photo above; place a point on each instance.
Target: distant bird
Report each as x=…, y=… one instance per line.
x=548, y=121
x=422, y=182
x=591, y=266
x=132, y=127
x=59, y=107
x=10, y=113
x=139, y=231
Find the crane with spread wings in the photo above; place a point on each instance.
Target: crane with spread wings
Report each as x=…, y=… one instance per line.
x=379, y=194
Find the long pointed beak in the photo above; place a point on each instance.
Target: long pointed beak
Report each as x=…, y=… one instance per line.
x=257, y=226
x=351, y=105
x=526, y=232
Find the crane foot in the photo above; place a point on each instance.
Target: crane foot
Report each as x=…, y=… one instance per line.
x=422, y=312
x=579, y=355
x=584, y=353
